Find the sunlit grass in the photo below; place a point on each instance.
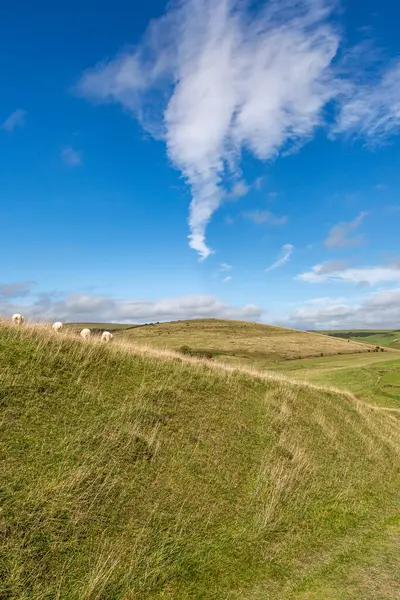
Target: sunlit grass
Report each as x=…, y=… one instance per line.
x=133, y=473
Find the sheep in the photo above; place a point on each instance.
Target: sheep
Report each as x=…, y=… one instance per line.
x=17, y=319
x=57, y=326
x=85, y=334
x=106, y=337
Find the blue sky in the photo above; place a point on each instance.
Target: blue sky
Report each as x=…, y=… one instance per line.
x=201, y=159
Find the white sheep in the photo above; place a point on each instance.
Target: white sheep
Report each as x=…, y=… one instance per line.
x=106, y=337
x=57, y=326
x=85, y=334
x=17, y=319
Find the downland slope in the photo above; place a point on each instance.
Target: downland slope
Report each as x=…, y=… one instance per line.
x=387, y=338
x=131, y=473
x=240, y=340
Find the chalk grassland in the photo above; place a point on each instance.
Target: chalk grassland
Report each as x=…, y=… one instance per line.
x=387, y=338
x=372, y=376
x=324, y=360
x=133, y=473
x=375, y=378
x=240, y=340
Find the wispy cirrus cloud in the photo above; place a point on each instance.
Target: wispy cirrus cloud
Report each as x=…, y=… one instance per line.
x=340, y=234
x=360, y=276
x=71, y=157
x=260, y=217
x=216, y=78
x=15, y=120
x=372, y=110
x=240, y=189
x=225, y=267
x=233, y=79
x=286, y=253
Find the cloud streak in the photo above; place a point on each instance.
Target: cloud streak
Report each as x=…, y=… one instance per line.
x=362, y=276
x=16, y=119
x=233, y=80
x=71, y=157
x=340, y=234
x=259, y=217
x=372, y=110
x=286, y=253
x=216, y=78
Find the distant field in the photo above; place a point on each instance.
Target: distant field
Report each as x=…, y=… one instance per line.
x=374, y=378
x=239, y=340
x=387, y=338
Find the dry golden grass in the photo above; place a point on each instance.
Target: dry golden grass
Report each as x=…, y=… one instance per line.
x=240, y=338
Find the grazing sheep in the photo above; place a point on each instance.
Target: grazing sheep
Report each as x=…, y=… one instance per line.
x=57, y=326
x=17, y=319
x=106, y=337
x=85, y=334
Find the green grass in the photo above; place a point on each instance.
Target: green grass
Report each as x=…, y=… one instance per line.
x=386, y=338
x=371, y=377
x=133, y=474
x=309, y=356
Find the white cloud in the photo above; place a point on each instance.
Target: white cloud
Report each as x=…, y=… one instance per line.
x=286, y=253
x=18, y=289
x=232, y=80
x=360, y=276
x=16, y=119
x=226, y=279
x=71, y=157
x=259, y=183
x=88, y=307
x=333, y=266
x=264, y=216
x=372, y=110
x=339, y=236
x=239, y=189
x=225, y=267
x=380, y=310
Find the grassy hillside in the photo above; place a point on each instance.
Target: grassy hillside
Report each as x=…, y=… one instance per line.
x=390, y=339
x=133, y=474
x=373, y=377
x=239, y=340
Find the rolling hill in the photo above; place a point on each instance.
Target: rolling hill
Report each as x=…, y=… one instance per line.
x=387, y=338
x=239, y=340
x=132, y=473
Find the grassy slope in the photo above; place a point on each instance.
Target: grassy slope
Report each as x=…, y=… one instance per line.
x=241, y=339
x=373, y=377
x=133, y=477
x=390, y=339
